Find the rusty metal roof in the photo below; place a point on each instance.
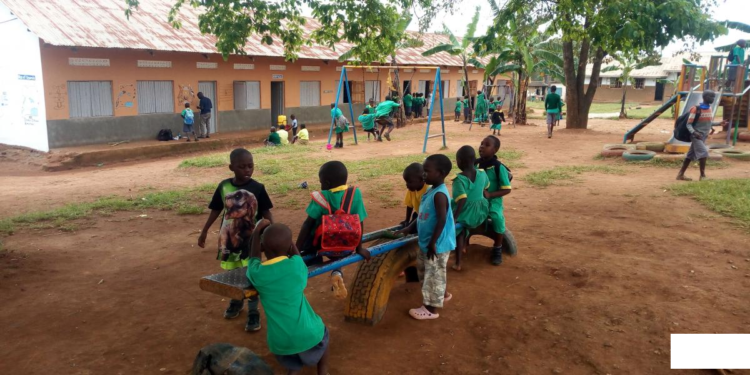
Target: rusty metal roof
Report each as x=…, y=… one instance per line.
x=102, y=24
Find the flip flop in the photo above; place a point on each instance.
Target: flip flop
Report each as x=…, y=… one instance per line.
x=422, y=313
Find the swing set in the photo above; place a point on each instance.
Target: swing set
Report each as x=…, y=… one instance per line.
x=437, y=88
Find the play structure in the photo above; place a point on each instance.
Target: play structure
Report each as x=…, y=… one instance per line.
x=436, y=88
x=368, y=296
x=732, y=95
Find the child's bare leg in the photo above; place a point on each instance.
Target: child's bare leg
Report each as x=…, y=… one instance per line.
x=323, y=363
x=460, y=249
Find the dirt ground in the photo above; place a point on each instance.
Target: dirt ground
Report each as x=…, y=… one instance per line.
x=608, y=268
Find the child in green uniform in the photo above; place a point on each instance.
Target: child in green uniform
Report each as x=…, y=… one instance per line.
x=497, y=122
x=333, y=176
x=367, y=119
x=458, y=110
x=341, y=125
x=470, y=208
x=408, y=103
x=467, y=110
x=370, y=108
x=499, y=177
x=273, y=138
x=296, y=334
x=242, y=201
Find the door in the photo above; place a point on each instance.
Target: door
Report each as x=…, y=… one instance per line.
x=209, y=90
x=277, y=101
x=659, y=94
x=406, y=88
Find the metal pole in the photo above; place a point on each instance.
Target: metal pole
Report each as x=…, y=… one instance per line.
x=374, y=251
x=351, y=110
x=429, y=115
x=442, y=116
x=336, y=103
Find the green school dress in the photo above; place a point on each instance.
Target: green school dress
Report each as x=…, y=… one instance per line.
x=476, y=208
x=481, y=108
x=496, y=204
x=458, y=106
x=339, y=126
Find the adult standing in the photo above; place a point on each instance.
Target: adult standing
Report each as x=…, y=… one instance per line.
x=699, y=130
x=205, y=106
x=552, y=105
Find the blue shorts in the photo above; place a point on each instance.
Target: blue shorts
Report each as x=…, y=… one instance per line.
x=187, y=128
x=310, y=357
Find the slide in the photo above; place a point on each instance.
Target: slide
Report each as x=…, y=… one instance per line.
x=630, y=135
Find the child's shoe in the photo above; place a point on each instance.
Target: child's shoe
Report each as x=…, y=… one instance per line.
x=234, y=309
x=253, y=321
x=497, y=255
x=421, y=313
x=338, y=286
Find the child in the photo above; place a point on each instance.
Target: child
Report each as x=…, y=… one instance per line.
x=188, y=119
x=497, y=118
x=283, y=135
x=458, y=109
x=296, y=334
x=499, y=177
x=553, y=107
x=383, y=117
x=333, y=176
x=303, y=137
x=368, y=124
x=273, y=138
x=370, y=108
x=415, y=190
x=437, y=237
x=408, y=104
x=469, y=204
x=415, y=105
x=491, y=110
x=243, y=201
x=294, y=126
x=467, y=110
x=341, y=123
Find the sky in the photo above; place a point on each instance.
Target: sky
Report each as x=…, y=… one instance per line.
x=456, y=22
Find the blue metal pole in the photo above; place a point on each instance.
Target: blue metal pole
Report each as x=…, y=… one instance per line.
x=429, y=115
x=351, y=110
x=374, y=251
x=367, y=237
x=442, y=116
x=338, y=92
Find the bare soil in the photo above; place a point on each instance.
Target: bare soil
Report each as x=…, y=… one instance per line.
x=608, y=267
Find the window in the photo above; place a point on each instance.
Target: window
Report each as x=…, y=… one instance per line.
x=309, y=94
x=446, y=88
x=640, y=83
x=460, y=88
x=372, y=91
x=90, y=99
x=247, y=95
x=344, y=95
x=155, y=97
x=615, y=83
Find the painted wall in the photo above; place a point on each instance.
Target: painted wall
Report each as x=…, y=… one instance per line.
x=22, y=107
x=610, y=94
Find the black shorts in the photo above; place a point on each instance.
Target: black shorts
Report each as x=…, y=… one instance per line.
x=309, y=357
x=407, y=110
x=373, y=131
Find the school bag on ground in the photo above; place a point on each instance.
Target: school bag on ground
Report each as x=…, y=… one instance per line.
x=339, y=232
x=681, y=132
x=165, y=135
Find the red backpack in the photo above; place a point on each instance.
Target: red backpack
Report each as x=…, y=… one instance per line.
x=339, y=232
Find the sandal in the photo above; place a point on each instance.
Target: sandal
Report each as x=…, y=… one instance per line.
x=422, y=313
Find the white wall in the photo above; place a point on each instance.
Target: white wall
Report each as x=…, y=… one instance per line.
x=23, y=121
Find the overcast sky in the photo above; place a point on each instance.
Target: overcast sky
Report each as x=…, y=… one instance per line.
x=734, y=10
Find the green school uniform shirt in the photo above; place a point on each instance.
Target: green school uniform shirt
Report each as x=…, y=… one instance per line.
x=458, y=106
x=293, y=326
x=466, y=103
x=336, y=113
x=408, y=100
x=274, y=138
x=552, y=103
x=370, y=109
x=739, y=55
x=333, y=197
x=385, y=108
x=476, y=207
x=368, y=121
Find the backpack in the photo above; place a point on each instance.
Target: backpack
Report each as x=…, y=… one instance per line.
x=165, y=135
x=681, y=132
x=189, y=118
x=496, y=163
x=339, y=232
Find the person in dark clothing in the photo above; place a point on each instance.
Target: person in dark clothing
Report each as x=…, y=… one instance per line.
x=205, y=106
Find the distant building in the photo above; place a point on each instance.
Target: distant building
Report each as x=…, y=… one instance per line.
x=82, y=73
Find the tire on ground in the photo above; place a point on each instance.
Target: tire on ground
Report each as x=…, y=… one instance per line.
x=735, y=154
x=650, y=146
x=510, y=246
x=614, y=152
x=628, y=146
x=638, y=155
x=676, y=149
x=744, y=136
x=719, y=146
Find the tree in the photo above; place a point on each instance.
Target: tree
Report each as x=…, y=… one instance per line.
x=463, y=49
x=745, y=28
x=627, y=63
x=365, y=23
x=591, y=29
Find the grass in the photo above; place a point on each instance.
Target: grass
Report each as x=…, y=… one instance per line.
x=672, y=164
x=727, y=197
x=552, y=176
x=221, y=159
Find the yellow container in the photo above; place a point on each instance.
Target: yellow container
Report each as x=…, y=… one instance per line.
x=281, y=120
x=676, y=149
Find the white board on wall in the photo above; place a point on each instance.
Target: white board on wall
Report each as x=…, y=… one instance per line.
x=23, y=120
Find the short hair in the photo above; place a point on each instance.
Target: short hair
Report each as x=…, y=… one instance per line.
x=273, y=128
x=442, y=163
x=200, y=94
x=494, y=140
x=413, y=169
x=466, y=153
x=388, y=97
x=333, y=105
x=237, y=153
x=335, y=172
x=303, y=126
x=365, y=111
x=292, y=117
x=553, y=88
x=187, y=104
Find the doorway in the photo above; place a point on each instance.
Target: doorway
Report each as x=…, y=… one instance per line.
x=277, y=101
x=659, y=93
x=208, y=88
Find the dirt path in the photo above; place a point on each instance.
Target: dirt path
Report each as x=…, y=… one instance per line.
x=607, y=269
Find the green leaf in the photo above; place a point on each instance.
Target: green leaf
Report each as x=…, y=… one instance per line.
x=745, y=28
x=449, y=48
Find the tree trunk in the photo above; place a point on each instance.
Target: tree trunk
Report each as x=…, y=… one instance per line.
x=520, y=116
x=401, y=112
x=468, y=87
x=579, y=98
x=623, y=114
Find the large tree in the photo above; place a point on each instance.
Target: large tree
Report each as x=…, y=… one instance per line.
x=591, y=29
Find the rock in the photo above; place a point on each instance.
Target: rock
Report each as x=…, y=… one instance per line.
x=223, y=358
x=579, y=272
x=607, y=344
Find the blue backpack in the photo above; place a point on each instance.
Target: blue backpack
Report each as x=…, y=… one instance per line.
x=189, y=118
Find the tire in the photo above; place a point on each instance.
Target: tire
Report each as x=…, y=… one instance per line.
x=510, y=246
x=744, y=136
x=650, y=146
x=619, y=146
x=719, y=146
x=670, y=156
x=638, y=155
x=676, y=149
x=614, y=152
x=368, y=297
x=735, y=154
x=715, y=156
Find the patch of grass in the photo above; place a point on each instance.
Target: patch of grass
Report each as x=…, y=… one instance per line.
x=548, y=177
x=672, y=164
x=727, y=197
x=221, y=159
x=189, y=209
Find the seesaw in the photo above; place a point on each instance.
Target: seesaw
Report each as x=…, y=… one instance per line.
x=373, y=281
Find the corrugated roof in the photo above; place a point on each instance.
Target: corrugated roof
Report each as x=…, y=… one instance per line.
x=102, y=24
x=669, y=64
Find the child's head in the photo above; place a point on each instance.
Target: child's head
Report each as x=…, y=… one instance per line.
x=292, y=117
x=436, y=168
x=479, y=92
x=187, y=104
x=388, y=97
x=489, y=147
x=466, y=96
x=303, y=126
x=413, y=176
x=365, y=112
x=459, y=98
x=372, y=102
x=333, y=105
x=553, y=88
x=241, y=163
x=273, y=129
x=465, y=157
x=332, y=174
x=276, y=241
x=499, y=107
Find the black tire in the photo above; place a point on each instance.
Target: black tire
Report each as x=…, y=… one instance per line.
x=509, y=243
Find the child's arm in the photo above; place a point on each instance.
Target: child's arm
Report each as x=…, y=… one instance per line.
x=364, y=253
x=204, y=233
x=409, y=212
x=408, y=230
x=267, y=215
x=304, y=232
x=255, y=249
x=496, y=194
x=441, y=208
x=459, y=208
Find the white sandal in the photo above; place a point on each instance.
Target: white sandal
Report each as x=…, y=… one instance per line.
x=422, y=313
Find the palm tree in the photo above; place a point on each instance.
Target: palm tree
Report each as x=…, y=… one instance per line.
x=463, y=49
x=745, y=28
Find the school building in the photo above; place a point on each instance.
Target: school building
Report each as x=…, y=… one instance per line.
x=82, y=73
